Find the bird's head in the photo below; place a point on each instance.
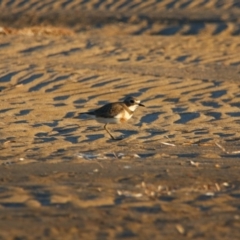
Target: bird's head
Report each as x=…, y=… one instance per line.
x=132, y=103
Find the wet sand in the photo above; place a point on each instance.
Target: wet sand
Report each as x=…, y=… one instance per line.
x=174, y=175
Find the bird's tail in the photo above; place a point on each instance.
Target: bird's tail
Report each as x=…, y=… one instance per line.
x=89, y=113
x=83, y=113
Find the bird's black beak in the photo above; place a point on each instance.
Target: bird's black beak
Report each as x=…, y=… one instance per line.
x=140, y=104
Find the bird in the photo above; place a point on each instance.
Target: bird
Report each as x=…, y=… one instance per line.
x=116, y=112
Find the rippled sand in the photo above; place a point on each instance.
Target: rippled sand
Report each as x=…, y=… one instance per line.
x=174, y=175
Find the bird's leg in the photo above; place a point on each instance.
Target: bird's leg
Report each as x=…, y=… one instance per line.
x=105, y=127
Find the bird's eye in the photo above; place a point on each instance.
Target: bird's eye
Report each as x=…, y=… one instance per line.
x=131, y=101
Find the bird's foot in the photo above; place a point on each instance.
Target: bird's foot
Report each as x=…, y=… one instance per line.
x=118, y=138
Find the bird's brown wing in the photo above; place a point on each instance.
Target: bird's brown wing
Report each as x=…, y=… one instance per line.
x=109, y=110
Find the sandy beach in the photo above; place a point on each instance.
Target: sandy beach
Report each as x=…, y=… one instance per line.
x=175, y=173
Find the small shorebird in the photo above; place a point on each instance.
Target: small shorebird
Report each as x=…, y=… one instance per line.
x=117, y=112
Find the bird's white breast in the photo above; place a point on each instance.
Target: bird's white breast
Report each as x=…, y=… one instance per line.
x=133, y=107
x=124, y=115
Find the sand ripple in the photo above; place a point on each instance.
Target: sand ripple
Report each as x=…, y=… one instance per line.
x=175, y=174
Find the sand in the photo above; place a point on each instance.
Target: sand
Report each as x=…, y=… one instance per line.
x=175, y=174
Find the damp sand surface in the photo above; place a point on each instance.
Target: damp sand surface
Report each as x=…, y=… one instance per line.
x=174, y=174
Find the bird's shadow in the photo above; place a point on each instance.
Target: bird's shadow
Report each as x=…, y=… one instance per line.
x=93, y=137
x=93, y=128
x=125, y=133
